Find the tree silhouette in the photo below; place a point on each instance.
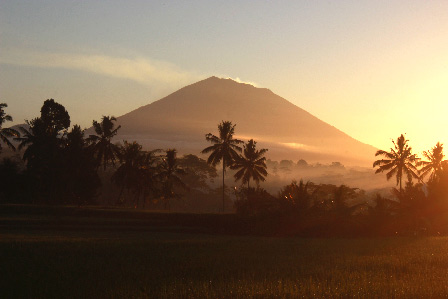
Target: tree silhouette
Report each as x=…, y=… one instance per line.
x=298, y=194
x=126, y=175
x=198, y=172
x=33, y=140
x=224, y=148
x=81, y=176
x=169, y=174
x=137, y=172
x=6, y=133
x=251, y=164
x=148, y=180
x=55, y=117
x=44, y=156
x=399, y=161
x=433, y=167
x=106, y=151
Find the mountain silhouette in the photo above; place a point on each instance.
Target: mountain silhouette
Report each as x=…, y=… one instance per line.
x=181, y=120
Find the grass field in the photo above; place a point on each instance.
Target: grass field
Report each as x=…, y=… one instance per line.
x=86, y=260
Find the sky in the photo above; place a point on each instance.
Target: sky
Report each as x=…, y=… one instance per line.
x=373, y=69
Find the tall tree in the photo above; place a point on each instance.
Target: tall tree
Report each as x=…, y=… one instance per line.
x=127, y=174
x=6, y=133
x=106, y=151
x=250, y=165
x=81, y=176
x=225, y=148
x=148, y=181
x=170, y=174
x=398, y=161
x=44, y=142
x=33, y=141
x=55, y=117
x=433, y=166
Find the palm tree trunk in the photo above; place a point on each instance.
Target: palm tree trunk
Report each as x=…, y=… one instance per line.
x=223, y=172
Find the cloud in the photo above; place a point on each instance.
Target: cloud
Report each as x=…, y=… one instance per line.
x=138, y=69
x=237, y=79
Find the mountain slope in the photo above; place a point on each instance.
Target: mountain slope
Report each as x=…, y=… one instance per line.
x=182, y=119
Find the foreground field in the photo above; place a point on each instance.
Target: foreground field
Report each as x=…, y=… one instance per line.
x=44, y=262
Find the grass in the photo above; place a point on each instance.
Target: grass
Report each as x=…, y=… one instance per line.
x=47, y=261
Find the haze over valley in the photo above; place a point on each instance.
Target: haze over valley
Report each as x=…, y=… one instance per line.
x=181, y=120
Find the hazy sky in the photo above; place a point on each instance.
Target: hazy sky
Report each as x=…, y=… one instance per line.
x=373, y=69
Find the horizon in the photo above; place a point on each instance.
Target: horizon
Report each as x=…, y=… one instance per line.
x=334, y=60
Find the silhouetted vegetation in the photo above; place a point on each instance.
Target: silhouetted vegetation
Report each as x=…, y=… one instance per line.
x=399, y=161
x=225, y=148
x=170, y=173
x=105, y=151
x=61, y=166
x=250, y=165
x=6, y=133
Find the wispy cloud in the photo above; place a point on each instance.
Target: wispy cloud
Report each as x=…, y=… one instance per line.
x=139, y=69
x=237, y=79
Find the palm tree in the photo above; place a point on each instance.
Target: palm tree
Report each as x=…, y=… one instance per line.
x=137, y=172
x=434, y=166
x=33, y=139
x=298, y=194
x=148, y=176
x=169, y=173
x=44, y=157
x=399, y=161
x=251, y=164
x=6, y=133
x=126, y=175
x=224, y=148
x=80, y=171
x=106, y=151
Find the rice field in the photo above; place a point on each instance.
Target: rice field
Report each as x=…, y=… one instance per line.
x=91, y=263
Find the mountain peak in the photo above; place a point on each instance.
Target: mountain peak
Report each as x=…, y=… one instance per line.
x=182, y=118
x=237, y=80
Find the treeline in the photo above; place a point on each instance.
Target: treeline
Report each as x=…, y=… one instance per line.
x=63, y=165
x=418, y=206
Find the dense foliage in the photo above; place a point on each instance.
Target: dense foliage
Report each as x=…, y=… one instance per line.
x=61, y=165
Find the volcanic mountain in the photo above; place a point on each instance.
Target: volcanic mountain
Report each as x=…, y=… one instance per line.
x=181, y=120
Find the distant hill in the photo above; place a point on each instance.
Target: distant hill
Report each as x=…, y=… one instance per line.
x=181, y=120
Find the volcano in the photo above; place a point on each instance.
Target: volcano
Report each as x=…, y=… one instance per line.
x=181, y=120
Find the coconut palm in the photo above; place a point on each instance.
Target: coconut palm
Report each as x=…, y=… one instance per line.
x=434, y=166
x=225, y=148
x=148, y=180
x=45, y=140
x=170, y=175
x=80, y=172
x=399, y=161
x=137, y=172
x=34, y=140
x=251, y=164
x=126, y=175
x=6, y=133
x=106, y=151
